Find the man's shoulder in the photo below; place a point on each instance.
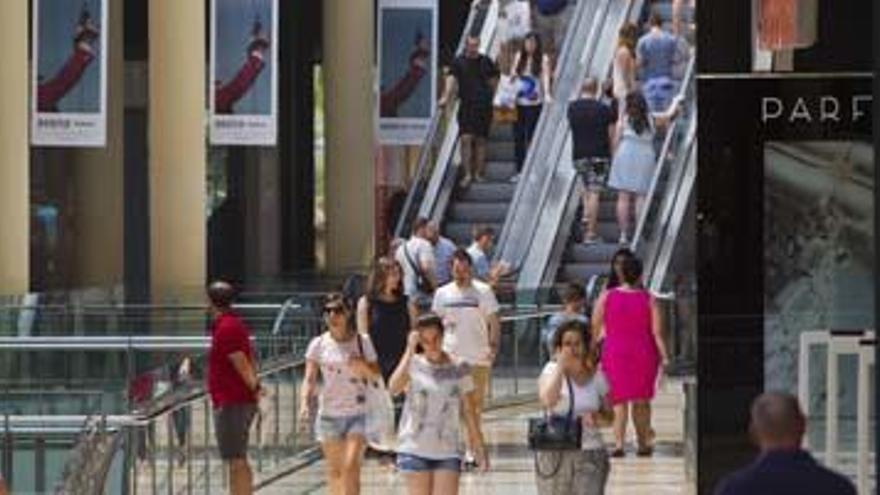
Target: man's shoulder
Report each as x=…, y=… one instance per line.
x=482, y=287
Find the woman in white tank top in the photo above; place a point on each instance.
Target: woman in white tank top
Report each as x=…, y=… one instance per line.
x=624, y=69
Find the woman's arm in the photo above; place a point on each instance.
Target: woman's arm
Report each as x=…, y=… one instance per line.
x=550, y=386
x=472, y=423
x=597, y=322
x=513, y=65
x=546, y=78
x=663, y=119
x=310, y=382
x=400, y=378
x=657, y=329
x=362, y=316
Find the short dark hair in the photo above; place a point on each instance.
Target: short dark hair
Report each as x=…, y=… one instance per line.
x=461, y=254
x=777, y=416
x=336, y=299
x=572, y=325
x=483, y=230
x=221, y=294
x=419, y=224
x=573, y=292
x=656, y=19
x=631, y=269
x=430, y=320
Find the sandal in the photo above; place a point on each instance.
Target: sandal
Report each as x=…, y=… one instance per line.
x=617, y=453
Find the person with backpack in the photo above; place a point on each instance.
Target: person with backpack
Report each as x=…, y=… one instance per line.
x=416, y=257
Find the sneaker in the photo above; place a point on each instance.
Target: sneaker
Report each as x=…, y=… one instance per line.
x=469, y=463
x=465, y=181
x=617, y=453
x=514, y=179
x=593, y=239
x=622, y=240
x=479, y=178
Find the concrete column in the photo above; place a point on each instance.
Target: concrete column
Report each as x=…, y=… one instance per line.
x=348, y=47
x=99, y=184
x=177, y=149
x=14, y=158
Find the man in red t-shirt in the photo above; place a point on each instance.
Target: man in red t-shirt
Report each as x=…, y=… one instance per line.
x=233, y=385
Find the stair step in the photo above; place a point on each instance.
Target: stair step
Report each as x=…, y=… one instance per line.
x=591, y=253
x=500, y=151
x=467, y=212
x=487, y=192
x=501, y=132
x=581, y=272
x=461, y=233
x=500, y=171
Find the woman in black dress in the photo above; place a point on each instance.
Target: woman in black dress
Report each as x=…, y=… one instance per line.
x=386, y=314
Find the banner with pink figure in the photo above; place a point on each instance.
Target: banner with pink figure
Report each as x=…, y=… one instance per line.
x=244, y=72
x=69, y=73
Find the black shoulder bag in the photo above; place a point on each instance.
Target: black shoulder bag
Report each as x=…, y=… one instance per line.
x=422, y=282
x=552, y=433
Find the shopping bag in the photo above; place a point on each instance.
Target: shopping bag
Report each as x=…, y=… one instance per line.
x=379, y=432
x=505, y=95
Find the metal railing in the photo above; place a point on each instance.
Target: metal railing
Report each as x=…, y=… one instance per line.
x=435, y=172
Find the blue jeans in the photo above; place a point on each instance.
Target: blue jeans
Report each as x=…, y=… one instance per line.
x=409, y=463
x=338, y=428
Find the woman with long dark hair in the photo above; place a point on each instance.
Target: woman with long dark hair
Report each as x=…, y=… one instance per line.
x=629, y=319
x=344, y=359
x=531, y=73
x=386, y=314
x=634, y=158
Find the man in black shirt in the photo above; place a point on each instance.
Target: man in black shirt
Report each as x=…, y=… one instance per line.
x=592, y=130
x=475, y=77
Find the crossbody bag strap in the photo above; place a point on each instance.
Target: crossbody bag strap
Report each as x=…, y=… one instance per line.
x=416, y=268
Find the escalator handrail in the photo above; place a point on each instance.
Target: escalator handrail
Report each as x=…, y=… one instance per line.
x=663, y=157
x=479, y=12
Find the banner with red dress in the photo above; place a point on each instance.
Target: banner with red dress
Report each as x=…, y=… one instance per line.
x=244, y=72
x=69, y=73
x=407, y=74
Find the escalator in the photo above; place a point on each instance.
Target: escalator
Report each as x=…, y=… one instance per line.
x=435, y=193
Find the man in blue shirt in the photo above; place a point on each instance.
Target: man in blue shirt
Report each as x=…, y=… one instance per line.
x=657, y=54
x=782, y=468
x=443, y=251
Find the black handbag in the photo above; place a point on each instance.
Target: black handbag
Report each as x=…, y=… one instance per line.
x=555, y=434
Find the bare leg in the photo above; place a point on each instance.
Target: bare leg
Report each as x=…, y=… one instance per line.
x=334, y=453
x=419, y=483
x=621, y=413
x=623, y=207
x=240, y=478
x=351, y=468
x=641, y=414
x=591, y=213
x=640, y=205
x=480, y=147
x=467, y=158
x=445, y=483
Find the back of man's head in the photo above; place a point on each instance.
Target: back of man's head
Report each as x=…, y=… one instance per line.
x=420, y=226
x=777, y=421
x=221, y=294
x=590, y=87
x=656, y=20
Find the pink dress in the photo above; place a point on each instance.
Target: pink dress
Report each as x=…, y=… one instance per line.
x=630, y=358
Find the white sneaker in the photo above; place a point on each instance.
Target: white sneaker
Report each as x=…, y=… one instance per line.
x=622, y=240
x=515, y=179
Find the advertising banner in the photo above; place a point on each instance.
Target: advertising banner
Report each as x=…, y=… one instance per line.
x=407, y=75
x=244, y=72
x=69, y=73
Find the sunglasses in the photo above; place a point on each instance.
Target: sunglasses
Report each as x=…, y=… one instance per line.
x=337, y=310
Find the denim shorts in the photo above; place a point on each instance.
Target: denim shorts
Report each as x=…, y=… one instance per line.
x=409, y=463
x=339, y=427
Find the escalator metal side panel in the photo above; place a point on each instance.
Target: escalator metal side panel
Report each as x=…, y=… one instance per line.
x=537, y=170
x=670, y=239
x=550, y=229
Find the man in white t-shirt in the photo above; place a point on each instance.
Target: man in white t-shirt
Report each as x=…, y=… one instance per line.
x=473, y=331
x=416, y=257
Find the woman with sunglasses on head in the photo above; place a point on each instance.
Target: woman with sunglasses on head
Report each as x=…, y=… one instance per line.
x=344, y=359
x=439, y=396
x=574, y=375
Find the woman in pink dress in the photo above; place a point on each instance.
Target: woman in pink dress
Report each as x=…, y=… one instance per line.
x=632, y=354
